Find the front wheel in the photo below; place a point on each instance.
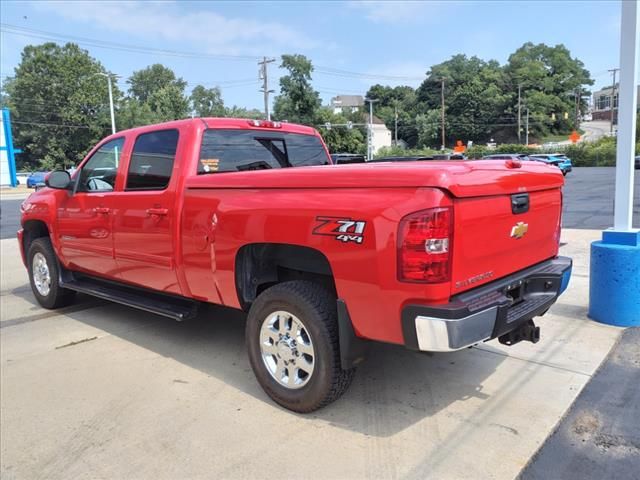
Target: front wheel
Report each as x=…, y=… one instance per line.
x=292, y=341
x=44, y=275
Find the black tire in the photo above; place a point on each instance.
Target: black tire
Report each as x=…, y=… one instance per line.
x=316, y=308
x=57, y=296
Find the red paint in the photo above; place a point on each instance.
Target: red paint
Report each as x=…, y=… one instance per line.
x=185, y=239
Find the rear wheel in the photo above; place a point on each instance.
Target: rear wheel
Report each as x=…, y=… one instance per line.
x=292, y=340
x=44, y=275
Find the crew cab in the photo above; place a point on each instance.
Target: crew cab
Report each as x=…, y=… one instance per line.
x=435, y=256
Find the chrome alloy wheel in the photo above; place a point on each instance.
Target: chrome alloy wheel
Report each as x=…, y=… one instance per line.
x=41, y=274
x=287, y=349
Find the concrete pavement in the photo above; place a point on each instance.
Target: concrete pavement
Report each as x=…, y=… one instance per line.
x=103, y=391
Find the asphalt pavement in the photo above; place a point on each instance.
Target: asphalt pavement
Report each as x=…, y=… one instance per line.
x=588, y=198
x=599, y=437
x=9, y=217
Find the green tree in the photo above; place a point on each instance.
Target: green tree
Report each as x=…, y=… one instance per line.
x=158, y=87
x=476, y=97
x=207, y=102
x=399, y=100
x=241, y=112
x=550, y=78
x=298, y=101
x=144, y=83
x=59, y=106
x=340, y=139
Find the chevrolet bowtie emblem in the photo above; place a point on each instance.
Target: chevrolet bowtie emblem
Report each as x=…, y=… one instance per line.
x=519, y=230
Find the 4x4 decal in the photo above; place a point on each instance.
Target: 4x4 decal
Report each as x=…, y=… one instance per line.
x=342, y=229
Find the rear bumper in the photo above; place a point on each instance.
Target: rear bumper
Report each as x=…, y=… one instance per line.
x=488, y=311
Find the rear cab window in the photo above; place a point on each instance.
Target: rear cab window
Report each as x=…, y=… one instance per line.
x=229, y=150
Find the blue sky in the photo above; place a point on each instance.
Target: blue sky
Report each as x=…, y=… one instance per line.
x=371, y=41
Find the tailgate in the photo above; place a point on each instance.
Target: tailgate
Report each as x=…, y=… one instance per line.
x=494, y=236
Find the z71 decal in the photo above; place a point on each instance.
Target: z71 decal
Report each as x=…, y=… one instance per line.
x=342, y=229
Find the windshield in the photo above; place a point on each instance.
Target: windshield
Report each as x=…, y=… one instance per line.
x=241, y=150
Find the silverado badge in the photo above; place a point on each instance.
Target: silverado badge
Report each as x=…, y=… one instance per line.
x=519, y=230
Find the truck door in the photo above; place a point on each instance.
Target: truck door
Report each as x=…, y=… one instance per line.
x=85, y=219
x=146, y=214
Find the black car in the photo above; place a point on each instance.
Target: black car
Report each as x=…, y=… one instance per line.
x=449, y=156
x=345, y=158
x=637, y=162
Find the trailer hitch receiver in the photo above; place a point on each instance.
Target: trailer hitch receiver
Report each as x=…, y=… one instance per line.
x=527, y=331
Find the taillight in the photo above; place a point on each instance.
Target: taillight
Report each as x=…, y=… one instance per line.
x=424, y=246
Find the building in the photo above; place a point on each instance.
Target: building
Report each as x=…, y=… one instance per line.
x=602, y=103
x=380, y=135
x=347, y=103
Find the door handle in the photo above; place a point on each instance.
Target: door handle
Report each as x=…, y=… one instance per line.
x=102, y=209
x=157, y=211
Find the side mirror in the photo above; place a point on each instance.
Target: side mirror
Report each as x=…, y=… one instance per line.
x=59, y=179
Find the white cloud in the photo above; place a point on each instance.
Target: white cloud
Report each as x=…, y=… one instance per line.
x=209, y=30
x=383, y=11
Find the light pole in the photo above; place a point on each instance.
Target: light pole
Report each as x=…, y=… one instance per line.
x=113, y=117
x=370, y=139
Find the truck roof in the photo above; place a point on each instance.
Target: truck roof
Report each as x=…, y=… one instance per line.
x=226, y=123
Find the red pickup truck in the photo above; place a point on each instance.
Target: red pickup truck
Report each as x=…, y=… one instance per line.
x=436, y=256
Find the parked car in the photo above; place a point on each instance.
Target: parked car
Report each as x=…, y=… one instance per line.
x=557, y=159
x=35, y=179
x=449, y=156
x=347, y=158
x=402, y=159
x=243, y=213
x=638, y=162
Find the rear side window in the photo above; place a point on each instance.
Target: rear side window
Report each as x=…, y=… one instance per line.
x=241, y=150
x=152, y=160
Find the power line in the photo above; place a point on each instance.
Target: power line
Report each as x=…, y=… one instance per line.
x=30, y=32
x=49, y=124
x=323, y=70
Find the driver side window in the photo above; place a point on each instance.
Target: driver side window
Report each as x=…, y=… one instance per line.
x=99, y=173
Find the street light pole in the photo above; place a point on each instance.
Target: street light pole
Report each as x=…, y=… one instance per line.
x=113, y=116
x=111, y=110
x=526, y=133
x=519, y=114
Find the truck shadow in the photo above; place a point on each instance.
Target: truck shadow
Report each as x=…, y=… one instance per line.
x=393, y=389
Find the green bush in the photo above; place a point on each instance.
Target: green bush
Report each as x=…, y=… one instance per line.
x=402, y=152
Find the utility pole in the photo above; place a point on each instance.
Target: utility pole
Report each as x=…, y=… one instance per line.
x=264, y=76
x=370, y=136
x=396, y=123
x=442, y=100
x=519, y=114
x=613, y=94
x=526, y=132
x=578, y=100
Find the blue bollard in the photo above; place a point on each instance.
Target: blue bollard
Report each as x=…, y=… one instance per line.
x=614, y=288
